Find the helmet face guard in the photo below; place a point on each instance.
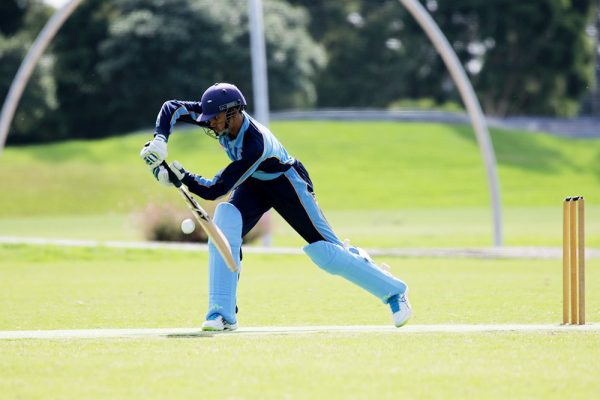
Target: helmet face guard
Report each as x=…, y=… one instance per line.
x=213, y=133
x=221, y=97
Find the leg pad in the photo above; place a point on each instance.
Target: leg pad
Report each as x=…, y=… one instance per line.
x=222, y=283
x=356, y=268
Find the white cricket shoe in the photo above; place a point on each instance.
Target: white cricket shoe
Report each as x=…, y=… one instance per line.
x=218, y=324
x=401, y=310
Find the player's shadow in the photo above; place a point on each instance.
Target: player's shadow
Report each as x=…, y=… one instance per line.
x=192, y=335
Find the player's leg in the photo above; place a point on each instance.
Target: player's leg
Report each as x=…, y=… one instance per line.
x=252, y=202
x=297, y=204
x=235, y=218
x=355, y=265
x=293, y=198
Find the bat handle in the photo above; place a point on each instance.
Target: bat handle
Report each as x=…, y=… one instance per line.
x=172, y=177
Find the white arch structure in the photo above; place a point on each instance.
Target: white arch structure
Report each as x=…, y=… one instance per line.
x=472, y=104
x=28, y=65
x=413, y=6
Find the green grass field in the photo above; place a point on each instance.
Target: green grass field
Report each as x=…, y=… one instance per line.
x=67, y=288
x=422, y=185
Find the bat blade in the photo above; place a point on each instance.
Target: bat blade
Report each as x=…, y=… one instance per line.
x=212, y=230
x=217, y=237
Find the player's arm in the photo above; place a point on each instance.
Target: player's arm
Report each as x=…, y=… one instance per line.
x=173, y=111
x=232, y=175
x=155, y=151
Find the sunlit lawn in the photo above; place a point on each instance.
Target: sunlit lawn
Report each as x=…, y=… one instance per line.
x=67, y=288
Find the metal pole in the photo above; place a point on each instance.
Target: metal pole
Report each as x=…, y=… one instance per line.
x=260, y=84
x=473, y=107
x=27, y=66
x=259, y=62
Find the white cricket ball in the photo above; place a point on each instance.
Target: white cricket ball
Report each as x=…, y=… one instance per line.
x=187, y=226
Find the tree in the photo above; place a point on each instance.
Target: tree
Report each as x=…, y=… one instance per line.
x=591, y=105
x=294, y=59
x=12, y=13
x=535, y=57
x=377, y=54
x=523, y=57
x=135, y=54
x=81, y=92
x=34, y=118
x=158, y=50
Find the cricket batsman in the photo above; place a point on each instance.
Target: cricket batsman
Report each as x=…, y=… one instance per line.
x=261, y=176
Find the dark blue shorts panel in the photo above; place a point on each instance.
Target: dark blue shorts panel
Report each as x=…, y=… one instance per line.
x=292, y=196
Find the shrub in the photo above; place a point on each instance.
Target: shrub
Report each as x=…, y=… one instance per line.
x=163, y=223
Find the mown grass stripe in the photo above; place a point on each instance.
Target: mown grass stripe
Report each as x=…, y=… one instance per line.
x=286, y=330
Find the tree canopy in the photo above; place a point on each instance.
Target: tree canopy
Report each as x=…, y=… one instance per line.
x=523, y=57
x=144, y=52
x=35, y=118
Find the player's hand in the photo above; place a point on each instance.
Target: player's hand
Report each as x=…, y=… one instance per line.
x=162, y=175
x=155, y=151
x=178, y=169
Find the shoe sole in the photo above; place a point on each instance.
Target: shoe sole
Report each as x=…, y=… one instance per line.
x=402, y=324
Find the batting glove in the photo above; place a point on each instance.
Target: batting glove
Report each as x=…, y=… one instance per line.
x=155, y=151
x=162, y=175
x=178, y=169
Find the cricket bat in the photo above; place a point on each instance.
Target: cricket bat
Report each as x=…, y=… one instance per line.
x=205, y=221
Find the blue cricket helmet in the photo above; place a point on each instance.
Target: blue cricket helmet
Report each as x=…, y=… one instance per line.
x=218, y=98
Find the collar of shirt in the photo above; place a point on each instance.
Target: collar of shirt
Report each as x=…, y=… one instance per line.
x=234, y=147
x=244, y=126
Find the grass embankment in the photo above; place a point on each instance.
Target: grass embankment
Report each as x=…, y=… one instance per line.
x=420, y=184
